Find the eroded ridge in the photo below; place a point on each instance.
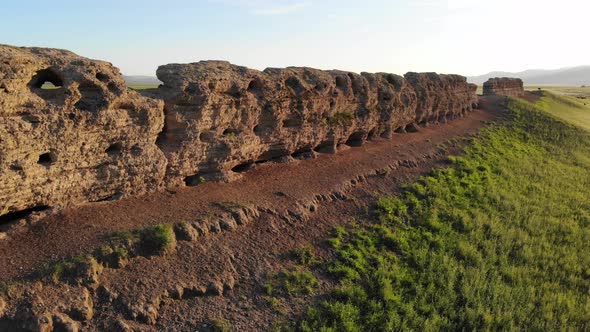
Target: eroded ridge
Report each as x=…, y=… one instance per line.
x=222, y=119
x=71, y=131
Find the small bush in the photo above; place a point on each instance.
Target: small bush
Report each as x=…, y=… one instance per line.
x=303, y=256
x=79, y=269
x=220, y=325
x=157, y=240
x=291, y=283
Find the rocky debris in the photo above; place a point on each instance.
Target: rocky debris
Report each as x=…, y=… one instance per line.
x=121, y=326
x=222, y=119
x=505, y=86
x=215, y=288
x=143, y=310
x=89, y=138
x=63, y=323
x=86, y=138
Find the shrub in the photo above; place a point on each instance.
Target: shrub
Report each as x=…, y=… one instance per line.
x=157, y=240
x=291, y=283
x=303, y=256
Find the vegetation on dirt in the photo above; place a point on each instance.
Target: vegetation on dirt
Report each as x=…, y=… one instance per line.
x=150, y=241
x=303, y=256
x=291, y=283
x=496, y=241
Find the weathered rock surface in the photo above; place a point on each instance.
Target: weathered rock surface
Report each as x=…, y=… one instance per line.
x=92, y=139
x=222, y=119
x=89, y=139
x=505, y=86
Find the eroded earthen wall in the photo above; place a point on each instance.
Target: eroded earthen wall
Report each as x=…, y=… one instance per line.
x=505, y=86
x=222, y=119
x=92, y=139
x=88, y=139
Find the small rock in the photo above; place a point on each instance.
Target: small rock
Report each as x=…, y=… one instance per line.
x=120, y=326
x=2, y=306
x=176, y=292
x=83, y=310
x=412, y=128
x=194, y=291
x=229, y=283
x=201, y=229
x=63, y=323
x=228, y=224
x=106, y=294
x=215, y=288
x=214, y=227
x=185, y=232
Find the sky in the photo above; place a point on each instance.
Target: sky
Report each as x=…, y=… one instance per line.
x=468, y=37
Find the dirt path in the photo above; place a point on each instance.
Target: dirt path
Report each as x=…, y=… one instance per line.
x=77, y=230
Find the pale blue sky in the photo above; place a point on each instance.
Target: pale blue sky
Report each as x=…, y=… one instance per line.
x=451, y=36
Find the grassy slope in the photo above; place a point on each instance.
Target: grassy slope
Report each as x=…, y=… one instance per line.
x=573, y=110
x=499, y=240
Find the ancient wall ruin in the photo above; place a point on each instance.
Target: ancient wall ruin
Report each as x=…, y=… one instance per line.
x=505, y=86
x=89, y=138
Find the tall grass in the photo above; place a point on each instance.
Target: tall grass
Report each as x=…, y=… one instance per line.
x=498, y=241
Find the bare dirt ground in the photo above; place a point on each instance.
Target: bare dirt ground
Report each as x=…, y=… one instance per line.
x=243, y=258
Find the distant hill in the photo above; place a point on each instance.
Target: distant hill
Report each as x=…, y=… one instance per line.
x=141, y=80
x=564, y=76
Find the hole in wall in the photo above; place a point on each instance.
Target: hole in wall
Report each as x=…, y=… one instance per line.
x=255, y=86
x=17, y=215
x=194, y=180
x=292, y=123
x=47, y=159
x=241, y=168
x=325, y=147
x=102, y=77
x=109, y=198
x=303, y=153
x=295, y=85
x=114, y=149
x=230, y=132
x=372, y=134
x=46, y=79
x=92, y=97
x=341, y=82
x=356, y=139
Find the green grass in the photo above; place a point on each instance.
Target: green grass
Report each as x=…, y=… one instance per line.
x=142, y=86
x=158, y=239
x=291, y=283
x=500, y=240
x=303, y=256
x=573, y=110
x=569, y=91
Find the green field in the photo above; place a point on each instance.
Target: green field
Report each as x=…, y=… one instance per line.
x=500, y=240
x=574, y=110
x=142, y=86
x=570, y=91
